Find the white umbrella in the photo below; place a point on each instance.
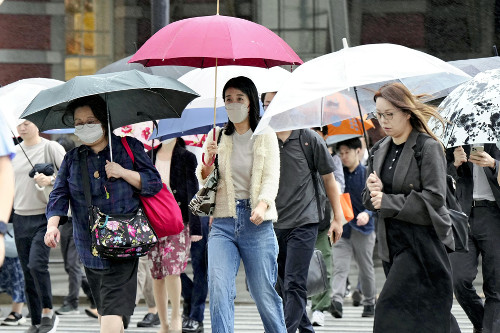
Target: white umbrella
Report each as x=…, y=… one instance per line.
x=15, y=97
x=473, y=110
x=302, y=101
x=202, y=81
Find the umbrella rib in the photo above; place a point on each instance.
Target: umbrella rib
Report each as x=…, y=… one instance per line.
x=170, y=105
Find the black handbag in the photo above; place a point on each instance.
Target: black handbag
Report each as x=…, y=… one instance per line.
x=459, y=220
x=203, y=202
x=116, y=236
x=317, y=278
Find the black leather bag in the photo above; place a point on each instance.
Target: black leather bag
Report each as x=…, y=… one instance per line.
x=46, y=168
x=459, y=220
x=317, y=278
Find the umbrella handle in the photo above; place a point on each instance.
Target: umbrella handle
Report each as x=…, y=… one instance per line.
x=203, y=160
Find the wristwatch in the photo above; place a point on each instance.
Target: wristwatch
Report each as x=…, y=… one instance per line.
x=3, y=228
x=52, y=180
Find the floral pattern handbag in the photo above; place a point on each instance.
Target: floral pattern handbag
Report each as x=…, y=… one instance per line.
x=116, y=235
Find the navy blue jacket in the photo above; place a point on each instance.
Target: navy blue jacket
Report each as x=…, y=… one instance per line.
x=184, y=183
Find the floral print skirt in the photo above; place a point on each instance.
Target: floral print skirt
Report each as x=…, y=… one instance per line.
x=170, y=255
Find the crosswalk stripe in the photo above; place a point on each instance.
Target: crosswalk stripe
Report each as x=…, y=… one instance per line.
x=247, y=320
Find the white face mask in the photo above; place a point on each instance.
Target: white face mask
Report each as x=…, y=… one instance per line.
x=237, y=112
x=89, y=133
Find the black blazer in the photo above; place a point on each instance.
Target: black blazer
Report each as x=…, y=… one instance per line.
x=464, y=177
x=184, y=183
x=419, y=193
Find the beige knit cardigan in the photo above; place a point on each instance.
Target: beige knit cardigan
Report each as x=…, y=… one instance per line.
x=264, y=180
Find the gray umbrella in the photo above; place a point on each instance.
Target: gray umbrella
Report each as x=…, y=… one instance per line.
x=173, y=72
x=131, y=97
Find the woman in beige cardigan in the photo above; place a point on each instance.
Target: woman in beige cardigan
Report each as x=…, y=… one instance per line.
x=249, y=169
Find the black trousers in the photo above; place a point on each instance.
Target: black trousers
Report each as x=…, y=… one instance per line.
x=34, y=256
x=296, y=247
x=417, y=295
x=484, y=240
x=195, y=291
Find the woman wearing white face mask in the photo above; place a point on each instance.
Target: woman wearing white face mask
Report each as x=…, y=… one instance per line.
x=113, y=283
x=242, y=228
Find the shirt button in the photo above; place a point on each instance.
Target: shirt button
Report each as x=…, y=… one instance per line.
x=179, y=203
x=174, y=191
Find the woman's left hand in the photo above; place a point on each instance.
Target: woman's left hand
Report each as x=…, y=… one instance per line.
x=114, y=169
x=376, y=199
x=196, y=238
x=258, y=213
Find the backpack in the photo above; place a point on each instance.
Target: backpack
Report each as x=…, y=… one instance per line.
x=324, y=209
x=460, y=221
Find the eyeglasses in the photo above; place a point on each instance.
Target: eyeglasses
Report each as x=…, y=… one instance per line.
x=385, y=115
x=90, y=124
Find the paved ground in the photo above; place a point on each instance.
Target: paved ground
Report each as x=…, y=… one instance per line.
x=246, y=318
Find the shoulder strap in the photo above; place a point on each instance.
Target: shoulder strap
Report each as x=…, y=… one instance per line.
x=83, y=153
x=417, y=150
x=309, y=153
x=48, y=157
x=127, y=148
x=216, y=162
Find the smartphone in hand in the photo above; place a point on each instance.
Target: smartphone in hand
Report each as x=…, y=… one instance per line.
x=477, y=149
x=331, y=238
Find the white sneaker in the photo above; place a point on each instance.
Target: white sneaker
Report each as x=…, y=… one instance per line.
x=318, y=318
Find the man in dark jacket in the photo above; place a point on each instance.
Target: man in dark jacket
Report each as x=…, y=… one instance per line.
x=476, y=169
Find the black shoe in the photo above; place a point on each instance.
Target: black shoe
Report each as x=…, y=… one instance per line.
x=149, y=320
x=192, y=326
x=336, y=309
x=49, y=325
x=126, y=321
x=368, y=311
x=14, y=319
x=90, y=313
x=356, y=297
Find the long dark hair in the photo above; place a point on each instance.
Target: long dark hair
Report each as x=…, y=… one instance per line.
x=95, y=103
x=248, y=88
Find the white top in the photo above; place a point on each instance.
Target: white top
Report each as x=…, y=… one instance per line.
x=163, y=167
x=482, y=189
x=241, y=163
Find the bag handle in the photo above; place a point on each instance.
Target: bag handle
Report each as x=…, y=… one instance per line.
x=127, y=148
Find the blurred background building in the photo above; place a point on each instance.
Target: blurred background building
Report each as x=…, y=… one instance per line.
x=63, y=38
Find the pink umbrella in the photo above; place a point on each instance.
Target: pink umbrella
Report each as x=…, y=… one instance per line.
x=217, y=40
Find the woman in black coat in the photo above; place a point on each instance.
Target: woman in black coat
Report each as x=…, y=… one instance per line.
x=177, y=168
x=407, y=188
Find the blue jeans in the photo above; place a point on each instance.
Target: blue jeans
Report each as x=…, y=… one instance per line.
x=230, y=240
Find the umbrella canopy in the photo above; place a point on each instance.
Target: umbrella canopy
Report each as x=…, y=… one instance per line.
x=132, y=97
x=473, y=110
x=173, y=72
x=347, y=129
x=302, y=99
x=476, y=66
x=15, y=97
x=199, y=41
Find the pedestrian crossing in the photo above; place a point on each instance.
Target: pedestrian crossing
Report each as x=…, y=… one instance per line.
x=247, y=320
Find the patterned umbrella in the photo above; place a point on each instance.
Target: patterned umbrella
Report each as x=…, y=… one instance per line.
x=473, y=111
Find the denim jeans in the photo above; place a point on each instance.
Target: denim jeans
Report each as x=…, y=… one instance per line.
x=230, y=240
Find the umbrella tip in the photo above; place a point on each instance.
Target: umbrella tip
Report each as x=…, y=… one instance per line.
x=344, y=42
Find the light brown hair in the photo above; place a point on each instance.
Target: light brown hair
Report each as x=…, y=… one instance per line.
x=420, y=113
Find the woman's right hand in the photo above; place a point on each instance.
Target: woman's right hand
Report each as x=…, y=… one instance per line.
x=373, y=183
x=211, y=150
x=52, y=236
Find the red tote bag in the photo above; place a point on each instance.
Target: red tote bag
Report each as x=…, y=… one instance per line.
x=161, y=209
